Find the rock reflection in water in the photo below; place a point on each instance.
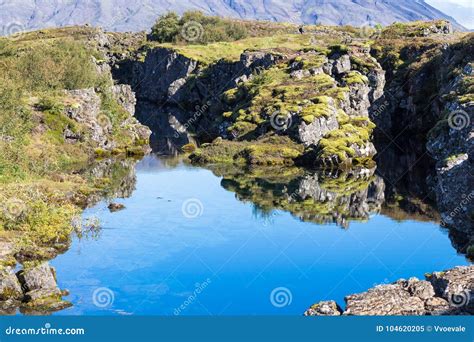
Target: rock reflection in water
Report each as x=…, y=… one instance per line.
x=314, y=196
x=114, y=178
x=117, y=178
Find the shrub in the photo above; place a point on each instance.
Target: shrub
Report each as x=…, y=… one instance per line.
x=64, y=64
x=166, y=28
x=197, y=28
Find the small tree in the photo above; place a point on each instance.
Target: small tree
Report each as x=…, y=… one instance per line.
x=166, y=28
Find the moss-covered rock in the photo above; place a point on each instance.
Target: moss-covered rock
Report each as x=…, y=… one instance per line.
x=270, y=150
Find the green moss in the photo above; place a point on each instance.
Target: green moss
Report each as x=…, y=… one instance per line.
x=354, y=77
x=363, y=63
x=338, y=143
x=411, y=29
x=101, y=153
x=317, y=110
x=188, y=148
x=310, y=61
x=241, y=128
x=271, y=150
x=308, y=118
x=269, y=154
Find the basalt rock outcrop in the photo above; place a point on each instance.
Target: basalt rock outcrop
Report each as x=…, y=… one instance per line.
x=86, y=108
x=186, y=101
x=442, y=293
x=32, y=290
x=178, y=97
x=428, y=103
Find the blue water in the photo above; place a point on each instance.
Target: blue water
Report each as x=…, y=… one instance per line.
x=152, y=260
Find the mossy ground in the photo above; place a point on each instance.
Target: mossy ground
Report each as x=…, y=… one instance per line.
x=340, y=142
x=275, y=92
x=270, y=150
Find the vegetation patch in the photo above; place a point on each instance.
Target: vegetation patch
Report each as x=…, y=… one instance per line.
x=270, y=150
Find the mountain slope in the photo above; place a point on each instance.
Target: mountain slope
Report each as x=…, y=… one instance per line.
x=134, y=15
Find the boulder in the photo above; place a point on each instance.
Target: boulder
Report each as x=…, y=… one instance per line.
x=443, y=293
x=113, y=207
x=327, y=308
x=125, y=97
x=10, y=287
x=310, y=134
x=341, y=65
x=418, y=288
x=456, y=286
x=383, y=300
x=436, y=306
x=41, y=277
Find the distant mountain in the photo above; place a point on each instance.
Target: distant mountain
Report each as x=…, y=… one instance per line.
x=135, y=15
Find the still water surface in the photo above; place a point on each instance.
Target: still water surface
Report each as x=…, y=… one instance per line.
x=224, y=258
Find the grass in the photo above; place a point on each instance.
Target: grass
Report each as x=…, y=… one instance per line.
x=412, y=29
x=355, y=77
x=231, y=51
x=270, y=150
x=42, y=187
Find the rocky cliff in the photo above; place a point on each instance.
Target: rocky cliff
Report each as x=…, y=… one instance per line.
x=428, y=103
x=60, y=115
x=320, y=97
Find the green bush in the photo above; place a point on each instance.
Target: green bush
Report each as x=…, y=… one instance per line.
x=196, y=28
x=166, y=28
x=64, y=64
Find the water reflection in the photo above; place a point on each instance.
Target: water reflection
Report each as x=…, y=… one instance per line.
x=313, y=196
x=115, y=177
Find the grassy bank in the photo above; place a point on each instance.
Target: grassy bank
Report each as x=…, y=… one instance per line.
x=42, y=186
